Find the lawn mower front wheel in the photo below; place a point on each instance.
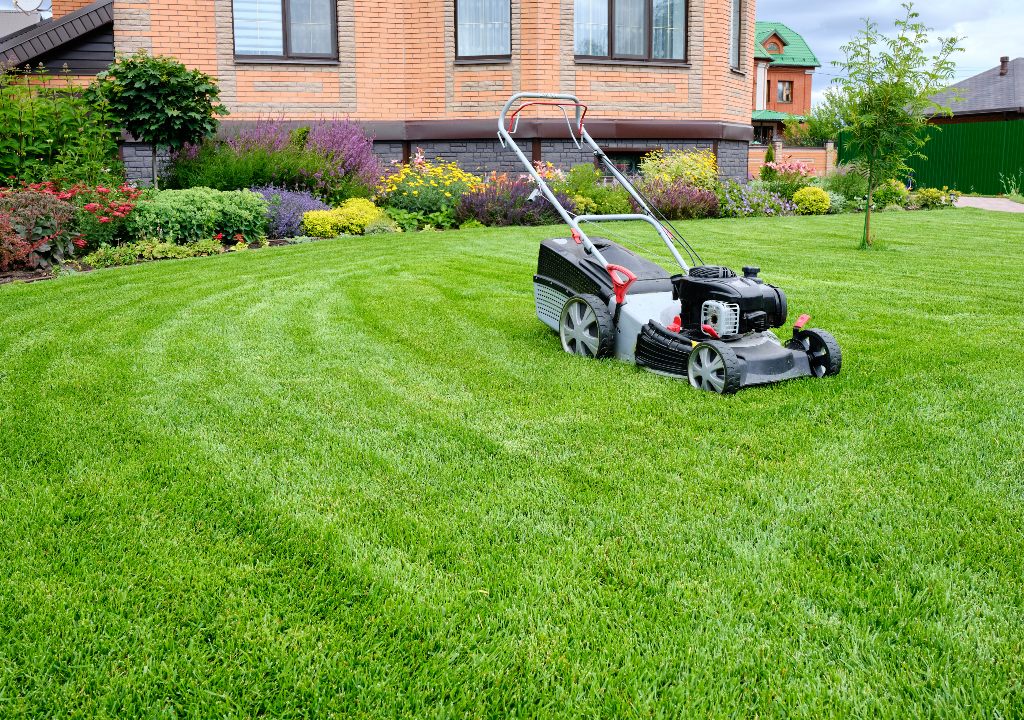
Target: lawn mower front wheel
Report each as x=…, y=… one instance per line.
x=586, y=327
x=714, y=366
x=822, y=350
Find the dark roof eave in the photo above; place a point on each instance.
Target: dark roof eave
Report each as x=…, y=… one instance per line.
x=21, y=48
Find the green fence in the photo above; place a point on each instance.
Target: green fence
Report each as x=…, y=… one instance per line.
x=968, y=156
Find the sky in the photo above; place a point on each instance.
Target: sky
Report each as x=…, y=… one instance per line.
x=989, y=30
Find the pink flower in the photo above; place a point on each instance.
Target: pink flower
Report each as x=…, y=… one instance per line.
x=104, y=219
x=92, y=207
x=102, y=190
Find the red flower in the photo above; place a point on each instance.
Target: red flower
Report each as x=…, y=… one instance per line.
x=102, y=190
x=91, y=207
x=79, y=242
x=104, y=219
x=218, y=236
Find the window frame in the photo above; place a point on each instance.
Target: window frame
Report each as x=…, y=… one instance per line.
x=648, y=40
x=286, y=55
x=779, y=84
x=736, y=28
x=481, y=58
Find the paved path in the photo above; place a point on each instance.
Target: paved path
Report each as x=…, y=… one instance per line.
x=984, y=203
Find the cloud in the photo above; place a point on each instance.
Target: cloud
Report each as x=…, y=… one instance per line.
x=989, y=31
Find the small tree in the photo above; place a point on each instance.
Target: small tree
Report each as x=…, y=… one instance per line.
x=160, y=101
x=886, y=98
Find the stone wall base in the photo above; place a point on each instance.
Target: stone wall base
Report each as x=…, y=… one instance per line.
x=484, y=156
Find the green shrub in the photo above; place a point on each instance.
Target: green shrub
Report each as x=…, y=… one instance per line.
x=934, y=199
x=425, y=193
x=131, y=253
x=836, y=203
x=786, y=178
x=692, y=168
x=48, y=131
x=182, y=216
x=846, y=180
x=382, y=226
x=891, y=192
x=811, y=201
x=586, y=182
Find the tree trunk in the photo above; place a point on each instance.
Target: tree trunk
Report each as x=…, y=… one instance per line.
x=155, y=186
x=865, y=241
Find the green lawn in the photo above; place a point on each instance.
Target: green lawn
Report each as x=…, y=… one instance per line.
x=360, y=478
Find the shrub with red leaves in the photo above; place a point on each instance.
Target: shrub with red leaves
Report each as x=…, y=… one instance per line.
x=36, y=229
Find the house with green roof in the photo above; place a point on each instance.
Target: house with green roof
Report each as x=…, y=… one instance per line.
x=784, y=66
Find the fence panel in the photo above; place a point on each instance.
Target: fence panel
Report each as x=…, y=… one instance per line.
x=969, y=157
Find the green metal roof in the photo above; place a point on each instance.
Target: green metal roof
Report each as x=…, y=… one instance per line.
x=795, y=51
x=760, y=53
x=774, y=115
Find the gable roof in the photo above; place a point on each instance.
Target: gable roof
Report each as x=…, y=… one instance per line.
x=987, y=92
x=795, y=51
x=24, y=46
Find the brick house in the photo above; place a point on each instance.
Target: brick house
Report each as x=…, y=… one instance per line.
x=656, y=73
x=784, y=66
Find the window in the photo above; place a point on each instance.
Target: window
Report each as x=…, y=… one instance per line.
x=483, y=28
x=773, y=47
x=736, y=34
x=785, y=92
x=631, y=29
x=285, y=28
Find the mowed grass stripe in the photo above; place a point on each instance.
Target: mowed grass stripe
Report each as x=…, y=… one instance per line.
x=358, y=477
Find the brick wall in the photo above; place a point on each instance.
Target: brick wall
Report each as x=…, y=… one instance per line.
x=63, y=7
x=397, y=60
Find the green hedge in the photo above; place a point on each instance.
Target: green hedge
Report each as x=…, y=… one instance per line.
x=182, y=216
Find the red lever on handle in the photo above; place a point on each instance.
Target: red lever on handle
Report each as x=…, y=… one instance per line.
x=622, y=278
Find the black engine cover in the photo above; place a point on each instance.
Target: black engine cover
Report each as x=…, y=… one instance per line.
x=762, y=306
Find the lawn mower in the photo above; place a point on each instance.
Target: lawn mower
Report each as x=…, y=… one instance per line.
x=705, y=324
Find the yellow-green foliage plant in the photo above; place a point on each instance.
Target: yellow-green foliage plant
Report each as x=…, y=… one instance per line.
x=351, y=218
x=696, y=168
x=812, y=201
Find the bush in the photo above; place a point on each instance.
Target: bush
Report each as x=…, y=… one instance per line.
x=836, y=203
x=891, y=192
x=158, y=100
x=48, y=131
x=352, y=218
x=751, y=200
x=786, y=178
x=332, y=159
x=505, y=202
x=131, y=253
x=382, y=226
x=285, y=209
x=182, y=216
x=425, y=193
x=35, y=230
x=847, y=180
x=694, y=168
x=679, y=202
x=586, y=183
x=811, y=201
x=934, y=199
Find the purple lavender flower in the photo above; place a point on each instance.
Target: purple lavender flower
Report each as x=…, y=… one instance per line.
x=506, y=202
x=285, y=209
x=264, y=134
x=348, y=147
x=678, y=201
